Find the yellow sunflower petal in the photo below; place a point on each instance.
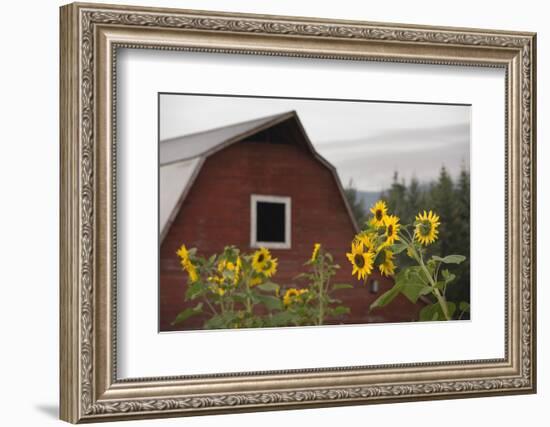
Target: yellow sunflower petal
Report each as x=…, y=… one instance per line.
x=259, y=260
x=391, y=222
x=426, y=230
x=361, y=261
x=315, y=252
x=379, y=211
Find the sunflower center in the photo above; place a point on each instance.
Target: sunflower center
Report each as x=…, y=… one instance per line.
x=378, y=214
x=359, y=260
x=425, y=228
x=261, y=258
x=390, y=230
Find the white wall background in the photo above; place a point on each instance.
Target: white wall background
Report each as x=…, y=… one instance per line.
x=29, y=170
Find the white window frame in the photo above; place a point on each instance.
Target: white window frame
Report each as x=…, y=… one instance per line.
x=254, y=199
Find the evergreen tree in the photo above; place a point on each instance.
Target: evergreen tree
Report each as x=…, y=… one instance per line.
x=395, y=197
x=460, y=290
x=415, y=200
x=356, y=204
x=443, y=202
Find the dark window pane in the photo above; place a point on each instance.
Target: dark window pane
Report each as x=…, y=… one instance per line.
x=270, y=222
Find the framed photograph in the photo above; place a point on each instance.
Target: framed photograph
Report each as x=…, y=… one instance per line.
x=266, y=212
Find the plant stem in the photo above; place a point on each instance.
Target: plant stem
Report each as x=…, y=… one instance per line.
x=248, y=302
x=321, y=296
x=440, y=298
x=442, y=303
x=435, y=291
x=222, y=307
x=214, y=311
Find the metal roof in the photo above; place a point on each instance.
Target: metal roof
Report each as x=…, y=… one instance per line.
x=174, y=179
x=200, y=143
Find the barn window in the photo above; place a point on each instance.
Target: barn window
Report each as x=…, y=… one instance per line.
x=270, y=221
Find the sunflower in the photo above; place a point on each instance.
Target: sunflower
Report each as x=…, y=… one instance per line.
x=367, y=240
x=215, y=279
x=183, y=253
x=379, y=210
x=192, y=272
x=186, y=263
x=260, y=259
x=238, y=268
x=360, y=260
x=292, y=295
x=426, y=228
x=270, y=267
x=392, y=228
x=232, y=267
x=255, y=281
x=387, y=268
x=262, y=262
x=226, y=265
x=315, y=252
x=216, y=282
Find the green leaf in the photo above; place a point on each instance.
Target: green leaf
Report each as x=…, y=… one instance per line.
x=451, y=307
x=440, y=284
x=194, y=290
x=214, y=323
x=397, y=248
x=283, y=318
x=340, y=310
x=268, y=287
x=239, y=297
x=220, y=320
x=413, y=290
x=341, y=286
x=435, y=312
x=412, y=284
x=447, y=276
x=450, y=259
x=428, y=313
x=464, y=306
x=413, y=274
x=386, y=297
x=272, y=303
x=187, y=313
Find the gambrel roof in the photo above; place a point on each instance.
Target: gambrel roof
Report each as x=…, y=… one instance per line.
x=181, y=158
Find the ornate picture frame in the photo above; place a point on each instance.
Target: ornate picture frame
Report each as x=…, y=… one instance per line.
x=90, y=37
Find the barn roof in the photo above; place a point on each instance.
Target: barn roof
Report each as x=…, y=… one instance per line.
x=200, y=143
x=181, y=159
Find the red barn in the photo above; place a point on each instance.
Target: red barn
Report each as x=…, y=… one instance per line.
x=252, y=184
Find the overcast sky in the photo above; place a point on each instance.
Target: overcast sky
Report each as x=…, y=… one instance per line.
x=365, y=141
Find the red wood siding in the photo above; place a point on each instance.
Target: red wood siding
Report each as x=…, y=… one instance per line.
x=216, y=213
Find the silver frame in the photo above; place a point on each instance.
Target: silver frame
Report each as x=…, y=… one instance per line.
x=90, y=37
